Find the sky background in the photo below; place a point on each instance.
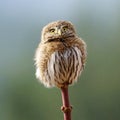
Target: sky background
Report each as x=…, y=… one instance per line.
x=96, y=96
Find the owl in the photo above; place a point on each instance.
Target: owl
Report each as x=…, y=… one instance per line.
x=61, y=55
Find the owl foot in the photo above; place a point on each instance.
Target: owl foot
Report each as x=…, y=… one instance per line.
x=63, y=85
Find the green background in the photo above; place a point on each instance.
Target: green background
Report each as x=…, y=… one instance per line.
x=96, y=96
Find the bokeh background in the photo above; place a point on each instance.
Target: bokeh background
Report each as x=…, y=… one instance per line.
x=97, y=94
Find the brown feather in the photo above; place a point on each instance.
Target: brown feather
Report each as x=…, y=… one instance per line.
x=60, y=60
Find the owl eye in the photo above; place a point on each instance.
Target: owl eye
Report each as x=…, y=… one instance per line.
x=65, y=28
x=52, y=30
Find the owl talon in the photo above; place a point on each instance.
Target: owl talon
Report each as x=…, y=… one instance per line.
x=63, y=85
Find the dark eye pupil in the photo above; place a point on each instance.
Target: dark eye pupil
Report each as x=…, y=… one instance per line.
x=52, y=30
x=65, y=28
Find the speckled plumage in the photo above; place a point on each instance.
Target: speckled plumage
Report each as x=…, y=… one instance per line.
x=60, y=56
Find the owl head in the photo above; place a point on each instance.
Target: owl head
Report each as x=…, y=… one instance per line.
x=57, y=30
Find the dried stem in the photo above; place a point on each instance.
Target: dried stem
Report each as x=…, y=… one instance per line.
x=66, y=108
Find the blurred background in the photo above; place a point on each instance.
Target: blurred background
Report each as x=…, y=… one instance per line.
x=96, y=96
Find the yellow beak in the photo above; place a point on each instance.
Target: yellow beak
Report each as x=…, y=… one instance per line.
x=59, y=32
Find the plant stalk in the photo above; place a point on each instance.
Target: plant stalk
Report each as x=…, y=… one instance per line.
x=66, y=108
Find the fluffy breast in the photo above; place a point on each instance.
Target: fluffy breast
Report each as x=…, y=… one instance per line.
x=63, y=67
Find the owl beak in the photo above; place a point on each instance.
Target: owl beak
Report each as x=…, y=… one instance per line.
x=59, y=32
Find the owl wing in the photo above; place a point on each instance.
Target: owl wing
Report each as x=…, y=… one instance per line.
x=82, y=46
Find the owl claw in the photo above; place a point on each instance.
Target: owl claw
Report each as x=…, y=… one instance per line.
x=63, y=85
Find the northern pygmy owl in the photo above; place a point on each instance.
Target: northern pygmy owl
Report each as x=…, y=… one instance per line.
x=60, y=56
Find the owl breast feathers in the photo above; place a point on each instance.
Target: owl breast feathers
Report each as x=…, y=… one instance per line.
x=60, y=56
